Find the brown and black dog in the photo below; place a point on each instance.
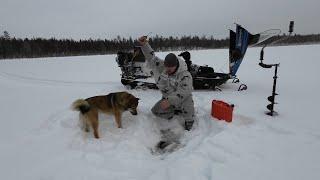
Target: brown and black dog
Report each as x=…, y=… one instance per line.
x=113, y=103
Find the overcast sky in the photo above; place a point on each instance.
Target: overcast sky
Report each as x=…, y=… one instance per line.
x=83, y=19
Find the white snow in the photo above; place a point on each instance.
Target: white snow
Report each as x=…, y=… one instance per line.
x=41, y=140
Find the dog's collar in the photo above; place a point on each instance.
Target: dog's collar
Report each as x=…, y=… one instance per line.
x=112, y=99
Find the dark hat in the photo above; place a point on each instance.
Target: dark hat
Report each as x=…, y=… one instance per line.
x=171, y=60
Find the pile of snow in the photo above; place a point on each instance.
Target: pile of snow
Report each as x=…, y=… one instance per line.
x=41, y=139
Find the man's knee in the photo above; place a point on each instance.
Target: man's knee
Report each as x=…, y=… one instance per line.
x=157, y=111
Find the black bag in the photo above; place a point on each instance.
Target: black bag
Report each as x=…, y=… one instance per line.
x=205, y=71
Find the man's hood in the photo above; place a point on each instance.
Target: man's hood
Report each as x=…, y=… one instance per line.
x=182, y=66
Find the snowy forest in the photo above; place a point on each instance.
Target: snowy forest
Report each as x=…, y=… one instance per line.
x=11, y=47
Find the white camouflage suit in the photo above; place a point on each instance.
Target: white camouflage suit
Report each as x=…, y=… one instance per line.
x=176, y=88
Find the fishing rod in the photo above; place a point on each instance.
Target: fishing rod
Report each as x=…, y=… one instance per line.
x=135, y=53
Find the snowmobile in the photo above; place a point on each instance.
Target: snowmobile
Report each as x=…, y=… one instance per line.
x=135, y=75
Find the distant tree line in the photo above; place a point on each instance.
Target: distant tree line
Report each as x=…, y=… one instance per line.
x=11, y=47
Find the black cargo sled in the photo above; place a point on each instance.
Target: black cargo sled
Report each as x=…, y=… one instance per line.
x=135, y=75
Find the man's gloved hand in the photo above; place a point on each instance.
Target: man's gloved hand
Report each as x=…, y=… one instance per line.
x=188, y=125
x=143, y=40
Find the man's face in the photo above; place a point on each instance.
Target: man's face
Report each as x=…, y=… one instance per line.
x=170, y=70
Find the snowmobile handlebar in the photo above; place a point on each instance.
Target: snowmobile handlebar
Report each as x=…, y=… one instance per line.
x=291, y=25
x=267, y=65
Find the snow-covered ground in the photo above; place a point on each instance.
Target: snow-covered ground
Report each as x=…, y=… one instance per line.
x=40, y=138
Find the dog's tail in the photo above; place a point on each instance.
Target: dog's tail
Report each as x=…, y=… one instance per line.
x=80, y=105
